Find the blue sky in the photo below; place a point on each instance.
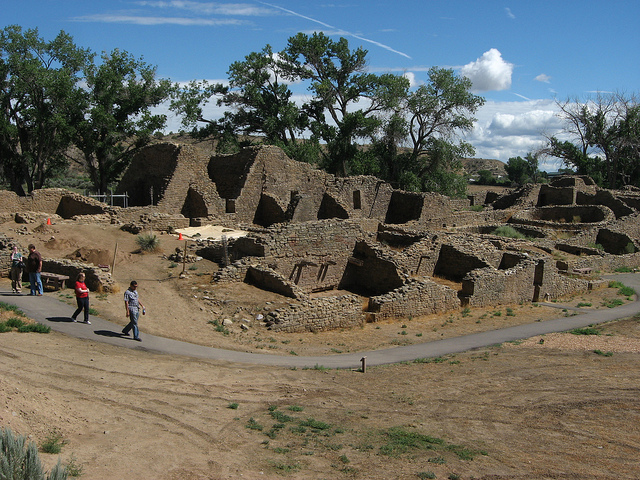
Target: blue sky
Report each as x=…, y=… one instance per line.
x=520, y=55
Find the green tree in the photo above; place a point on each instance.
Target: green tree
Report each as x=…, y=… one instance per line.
x=429, y=119
x=40, y=99
x=261, y=101
x=117, y=120
x=189, y=102
x=485, y=177
x=517, y=170
x=605, y=138
x=346, y=99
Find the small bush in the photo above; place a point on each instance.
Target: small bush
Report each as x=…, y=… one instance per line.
x=623, y=270
x=509, y=232
x=233, y=406
x=148, y=242
x=20, y=460
x=585, y=331
x=10, y=308
x=4, y=327
x=14, y=322
x=34, y=327
x=626, y=291
x=53, y=443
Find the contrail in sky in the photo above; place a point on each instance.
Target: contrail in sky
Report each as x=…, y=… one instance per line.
x=386, y=47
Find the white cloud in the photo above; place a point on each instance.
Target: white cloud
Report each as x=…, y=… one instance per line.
x=209, y=8
x=149, y=20
x=411, y=77
x=489, y=72
x=509, y=13
x=543, y=78
x=511, y=129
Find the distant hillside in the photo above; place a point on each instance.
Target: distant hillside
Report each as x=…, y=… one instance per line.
x=473, y=165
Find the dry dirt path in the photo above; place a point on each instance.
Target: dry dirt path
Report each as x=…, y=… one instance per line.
x=50, y=311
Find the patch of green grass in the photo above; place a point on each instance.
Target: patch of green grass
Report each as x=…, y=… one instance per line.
x=604, y=354
x=399, y=441
x=584, y=304
x=219, y=327
x=509, y=232
x=74, y=469
x=233, y=406
x=4, y=327
x=253, y=425
x=615, y=284
x=35, y=328
x=280, y=416
x=437, y=460
x=6, y=307
x=510, y=312
x=626, y=291
x=430, y=360
x=616, y=302
x=315, y=424
x=623, y=270
x=285, y=467
x=173, y=265
x=295, y=408
x=426, y=475
x=53, y=443
x=14, y=322
x=585, y=331
x=193, y=267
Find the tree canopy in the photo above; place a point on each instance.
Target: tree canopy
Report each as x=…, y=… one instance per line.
x=604, y=138
x=39, y=97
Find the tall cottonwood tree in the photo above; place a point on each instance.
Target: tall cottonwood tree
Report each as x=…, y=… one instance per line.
x=117, y=122
x=39, y=104
x=604, y=138
x=346, y=98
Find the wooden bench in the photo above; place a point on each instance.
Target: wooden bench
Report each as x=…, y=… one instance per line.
x=54, y=280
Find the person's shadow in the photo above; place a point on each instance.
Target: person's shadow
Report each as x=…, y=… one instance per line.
x=109, y=333
x=60, y=319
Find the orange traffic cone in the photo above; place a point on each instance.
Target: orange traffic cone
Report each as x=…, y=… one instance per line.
x=48, y=221
x=179, y=236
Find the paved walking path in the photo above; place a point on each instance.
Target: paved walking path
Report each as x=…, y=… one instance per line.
x=50, y=311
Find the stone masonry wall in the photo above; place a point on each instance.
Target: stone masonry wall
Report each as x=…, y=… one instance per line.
x=318, y=314
x=415, y=298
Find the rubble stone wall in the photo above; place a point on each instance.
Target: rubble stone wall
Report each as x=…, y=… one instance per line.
x=416, y=298
x=319, y=314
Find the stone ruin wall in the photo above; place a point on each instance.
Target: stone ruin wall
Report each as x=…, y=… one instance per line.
x=319, y=314
x=416, y=298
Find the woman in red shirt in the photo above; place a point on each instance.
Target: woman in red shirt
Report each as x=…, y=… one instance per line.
x=82, y=298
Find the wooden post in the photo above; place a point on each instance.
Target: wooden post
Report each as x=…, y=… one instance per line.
x=364, y=364
x=184, y=256
x=113, y=264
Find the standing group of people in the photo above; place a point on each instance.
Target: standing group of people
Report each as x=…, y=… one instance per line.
x=33, y=264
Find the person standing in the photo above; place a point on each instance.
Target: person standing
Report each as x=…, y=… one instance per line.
x=17, y=267
x=132, y=306
x=82, y=299
x=34, y=267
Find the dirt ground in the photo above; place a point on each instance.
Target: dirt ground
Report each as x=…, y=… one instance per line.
x=563, y=406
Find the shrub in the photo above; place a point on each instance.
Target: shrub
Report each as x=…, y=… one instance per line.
x=10, y=308
x=4, y=327
x=507, y=231
x=14, y=322
x=623, y=270
x=53, y=443
x=34, y=327
x=148, y=242
x=20, y=461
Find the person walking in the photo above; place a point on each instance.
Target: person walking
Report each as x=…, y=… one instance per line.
x=82, y=299
x=34, y=267
x=17, y=268
x=132, y=306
